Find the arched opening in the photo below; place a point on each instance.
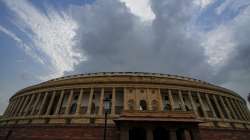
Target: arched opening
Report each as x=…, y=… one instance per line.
x=143, y=105
x=161, y=134
x=137, y=133
x=180, y=134
x=183, y=134
x=167, y=107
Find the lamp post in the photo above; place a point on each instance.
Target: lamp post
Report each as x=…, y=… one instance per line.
x=107, y=106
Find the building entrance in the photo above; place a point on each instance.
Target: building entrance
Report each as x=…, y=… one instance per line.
x=161, y=133
x=158, y=126
x=137, y=133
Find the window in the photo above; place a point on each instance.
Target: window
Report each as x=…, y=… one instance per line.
x=167, y=107
x=143, y=105
x=73, y=108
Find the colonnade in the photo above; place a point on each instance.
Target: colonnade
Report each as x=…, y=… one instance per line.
x=71, y=102
x=38, y=104
x=211, y=105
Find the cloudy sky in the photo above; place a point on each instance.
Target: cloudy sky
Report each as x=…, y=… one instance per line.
x=204, y=39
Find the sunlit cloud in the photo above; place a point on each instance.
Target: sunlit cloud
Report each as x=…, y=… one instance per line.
x=52, y=36
x=219, y=44
x=203, y=3
x=140, y=8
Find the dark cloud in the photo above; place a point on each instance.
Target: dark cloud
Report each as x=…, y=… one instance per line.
x=235, y=74
x=115, y=40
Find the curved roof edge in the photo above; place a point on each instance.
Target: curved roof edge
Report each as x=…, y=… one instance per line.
x=161, y=75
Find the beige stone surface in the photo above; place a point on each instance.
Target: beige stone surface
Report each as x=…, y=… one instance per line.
x=80, y=121
x=57, y=121
x=207, y=124
x=38, y=121
x=239, y=125
x=23, y=122
x=224, y=124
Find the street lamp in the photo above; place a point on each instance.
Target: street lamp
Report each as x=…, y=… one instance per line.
x=107, y=106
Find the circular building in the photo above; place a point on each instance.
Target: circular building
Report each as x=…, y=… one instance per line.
x=144, y=106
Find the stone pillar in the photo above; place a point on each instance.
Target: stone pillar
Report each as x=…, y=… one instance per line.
x=240, y=109
x=244, y=109
x=193, y=104
x=148, y=99
x=210, y=105
x=79, y=102
x=19, y=105
x=181, y=100
x=13, y=107
x=51, y=103
x=202, y=105
x=171, y=100
x=90, y=100
x=172, y=133
x=237, y=110
x=24, y=105
x=218, y=106
x=124, y=133
x=58, y=106
x=150, y=135
x=29, y=104
x=113, y=102
x=69, y=102
x=101, y=102
x=231, y=108
x=16, y=106
x=224, y=105
x=35, y=104
x=160, y=99
x=125, y=100
x=43, y=103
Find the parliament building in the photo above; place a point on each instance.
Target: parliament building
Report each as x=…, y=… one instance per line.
x=144, y=106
